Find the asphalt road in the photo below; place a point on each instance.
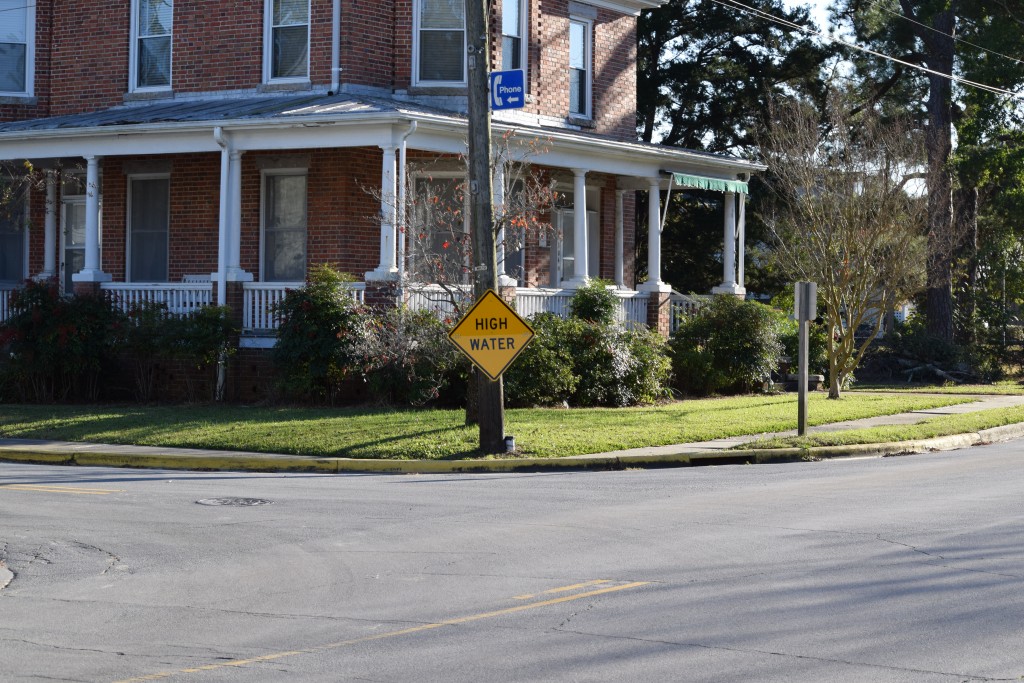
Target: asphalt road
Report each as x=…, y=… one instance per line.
x=896, y=569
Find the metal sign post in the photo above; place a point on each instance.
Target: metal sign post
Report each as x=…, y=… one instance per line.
x=805, y=310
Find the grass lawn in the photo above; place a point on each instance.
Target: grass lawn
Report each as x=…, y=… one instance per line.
x=1010, y=387
x=925, y=429
x=382, y=433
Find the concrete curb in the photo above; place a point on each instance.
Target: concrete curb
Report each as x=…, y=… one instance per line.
x=294, y=463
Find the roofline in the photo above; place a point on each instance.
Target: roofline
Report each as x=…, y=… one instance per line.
x=446, y=126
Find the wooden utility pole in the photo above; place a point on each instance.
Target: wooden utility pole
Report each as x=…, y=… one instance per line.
x=491, y=400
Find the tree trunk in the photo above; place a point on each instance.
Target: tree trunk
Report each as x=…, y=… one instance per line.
x=939, y=143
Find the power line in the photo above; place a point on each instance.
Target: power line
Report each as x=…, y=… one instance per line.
x=948, y=35
x=735, y=4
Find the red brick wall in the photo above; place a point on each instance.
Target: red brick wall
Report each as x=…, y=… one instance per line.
x=341, y=209
x=376, y=42
x=90, y=55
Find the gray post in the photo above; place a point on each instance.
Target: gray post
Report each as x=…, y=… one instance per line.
x=805, y=310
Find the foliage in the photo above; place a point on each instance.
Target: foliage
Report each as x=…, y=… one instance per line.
x=789, y=335
x=584, y=363
x=320, y=327
x=58, y=344
x=405, y=356
x=728, y=347
x=542, y=375
x=843, y=218
x=147, y=337
x=595, y=303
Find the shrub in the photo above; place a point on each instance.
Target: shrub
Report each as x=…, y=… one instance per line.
x=320, y=326
x=543, y=373
x=817, y=348
x=585, y=363
x=730, y=346
x=147, y=337
x=595, y=303
x=202, y=340
x=405, y=356
x=58, y=344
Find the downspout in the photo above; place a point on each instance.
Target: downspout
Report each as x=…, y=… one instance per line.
x=401, y=202
x=336, y=47
x=222, y=266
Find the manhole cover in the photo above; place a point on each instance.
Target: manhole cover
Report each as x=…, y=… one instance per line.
x=235, y=502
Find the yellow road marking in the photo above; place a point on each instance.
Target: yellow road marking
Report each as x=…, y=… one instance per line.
x=390, y=634
x=563, y=589
x=80, y=490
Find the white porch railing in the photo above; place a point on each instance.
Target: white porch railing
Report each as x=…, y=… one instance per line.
x=683, y=306
x=632, y=310
x=438, y=300
x=6, y=292
x=181, y=298
x=530, y=301
x=259, y=300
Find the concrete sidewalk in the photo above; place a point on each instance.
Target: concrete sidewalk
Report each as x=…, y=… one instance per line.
x=718, y=451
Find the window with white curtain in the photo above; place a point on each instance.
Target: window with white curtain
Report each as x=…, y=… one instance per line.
x=580, y=46
x=513, y=28
x=149, y=217
x=284, y=227
x=17, y=46
x=152, y=28
x=441, y=37
x=287, y=40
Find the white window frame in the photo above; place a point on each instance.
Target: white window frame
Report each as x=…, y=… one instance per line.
x=524, y=24
x=430, y=176
x=133, y=55
x=588, y=59
x=264, y=174
x=268, y=46
x=128, y=223
x=30, y=53
x=416, y=80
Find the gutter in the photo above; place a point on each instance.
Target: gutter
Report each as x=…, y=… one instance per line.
x=222, y=266
x=336, y=47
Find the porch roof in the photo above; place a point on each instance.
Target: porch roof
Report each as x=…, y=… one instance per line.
x=316, y=120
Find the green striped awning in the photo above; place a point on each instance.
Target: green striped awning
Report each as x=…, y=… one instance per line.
x=702, y=183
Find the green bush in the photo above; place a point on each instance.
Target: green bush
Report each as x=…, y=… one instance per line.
x=542, y=374
x=320, y=327
x=584, y=363
x=203, y=339
x=147, y=338
x=595, y=303
x=817, y=347
x=405, y=356
x=58, y=344
x=729, y=346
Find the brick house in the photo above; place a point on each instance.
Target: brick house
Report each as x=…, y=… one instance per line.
x=211, y=152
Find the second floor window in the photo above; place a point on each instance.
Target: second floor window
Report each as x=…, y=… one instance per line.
x=17, y=42
x=287, y=46
x=152, y=45
x=579, y=67
x=512, y=23
x=441, y=32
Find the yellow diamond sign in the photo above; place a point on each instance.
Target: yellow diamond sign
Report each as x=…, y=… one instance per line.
x=491, y=335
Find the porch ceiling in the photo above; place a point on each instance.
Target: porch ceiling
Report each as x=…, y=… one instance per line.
x=278, y=122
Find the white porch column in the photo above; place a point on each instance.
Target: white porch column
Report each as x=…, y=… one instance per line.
x=742, y=242
x=654, y=283
x=50, y=229
x=579, y=229
x=498, y=202
x=91, y=271
x=620, y=278
x=388, y=268
x=729, y=285
x=234, y=234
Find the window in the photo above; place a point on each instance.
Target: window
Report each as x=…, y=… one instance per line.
x=441, y=32
x=580, y=35
x=12, y=242
x=148, y=220
x=438, y=238
x=512, y=29
x=284, y=227
x=151, y=44
x=17, y=46
x=287, y=40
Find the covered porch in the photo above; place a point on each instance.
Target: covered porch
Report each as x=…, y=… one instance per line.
x=225, y=257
